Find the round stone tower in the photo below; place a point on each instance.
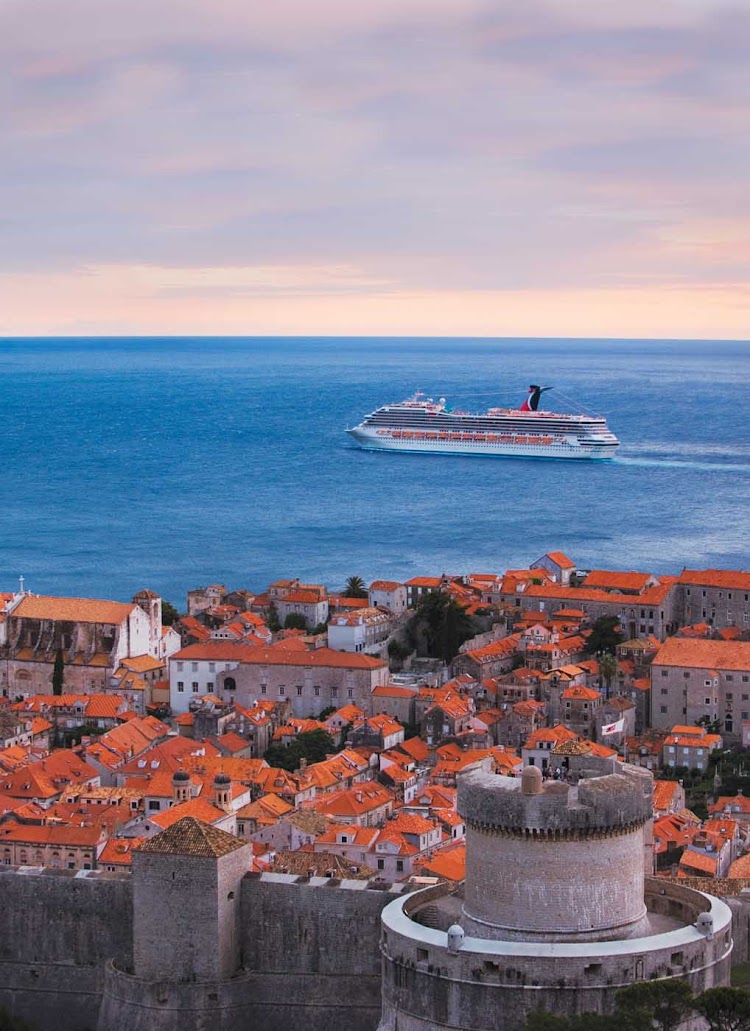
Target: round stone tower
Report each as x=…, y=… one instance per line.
x=555, y=912
x=550, y=861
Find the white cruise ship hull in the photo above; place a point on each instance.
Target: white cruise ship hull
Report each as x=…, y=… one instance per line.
x=599, y=448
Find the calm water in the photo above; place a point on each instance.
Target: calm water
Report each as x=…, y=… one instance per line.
x=171, y=463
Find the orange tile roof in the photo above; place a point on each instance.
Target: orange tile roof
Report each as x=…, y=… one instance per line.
x=703, y=654
x=560, y=559
x=72, y=610
x=740, y=867
x=448, y=863
x=699, y=861
x=119, y=851
x=612, y=579
x=275, y=656
x=734, y=579
x=385, y=585
x=580, y=693
x=415, y=748
x=424, y=581
x=552, y=592
x=195, y=807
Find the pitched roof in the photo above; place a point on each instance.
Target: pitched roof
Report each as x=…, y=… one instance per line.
x=190, y=837
x=736, y=579
x=616, y=580
x=275, y=656
x=560, y=559
x=697, y=653
x=72, y=610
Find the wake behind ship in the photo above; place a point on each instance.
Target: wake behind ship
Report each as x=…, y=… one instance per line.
x=421, y=424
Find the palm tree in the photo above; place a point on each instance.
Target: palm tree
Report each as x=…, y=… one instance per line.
x=608, y=668
x=355, y=588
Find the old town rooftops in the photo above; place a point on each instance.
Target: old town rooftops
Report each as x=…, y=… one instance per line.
x=72, y=610
x=697, y=653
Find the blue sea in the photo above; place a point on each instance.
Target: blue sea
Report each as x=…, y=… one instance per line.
x=170, y=463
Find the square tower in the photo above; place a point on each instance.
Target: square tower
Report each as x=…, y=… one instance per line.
x=186, y=899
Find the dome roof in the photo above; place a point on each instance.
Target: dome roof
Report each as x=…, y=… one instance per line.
x=181, y=775
x=222, y=778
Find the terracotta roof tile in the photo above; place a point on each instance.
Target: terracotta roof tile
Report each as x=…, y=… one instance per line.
x=190, y=837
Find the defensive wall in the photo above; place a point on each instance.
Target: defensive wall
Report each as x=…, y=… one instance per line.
x=309, y=948
x=435, y=981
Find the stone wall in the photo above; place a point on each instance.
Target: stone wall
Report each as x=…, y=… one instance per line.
x=315, y=949
x=56, y=930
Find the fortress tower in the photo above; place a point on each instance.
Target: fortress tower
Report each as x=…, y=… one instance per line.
x=553, y=862
x=555, y=912
x=187, y=962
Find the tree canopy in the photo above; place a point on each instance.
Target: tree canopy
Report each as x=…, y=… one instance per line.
x=355, y=588
x=439, y=626
x=725, y=1009
x=295, y=621
x=313, y=745
x=169, y=614
x=605, y=635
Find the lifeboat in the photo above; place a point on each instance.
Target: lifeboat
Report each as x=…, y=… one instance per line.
x=521, y=440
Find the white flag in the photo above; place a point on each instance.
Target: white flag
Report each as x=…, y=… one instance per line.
x=614, y=728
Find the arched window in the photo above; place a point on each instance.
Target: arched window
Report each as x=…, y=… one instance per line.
x=230, y=684
x=728, y=724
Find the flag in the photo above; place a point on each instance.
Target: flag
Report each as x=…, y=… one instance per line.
x=614, y=728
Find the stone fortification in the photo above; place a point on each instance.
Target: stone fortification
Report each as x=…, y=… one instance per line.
x=56, y=929
x=555, y=861
x=555, y=912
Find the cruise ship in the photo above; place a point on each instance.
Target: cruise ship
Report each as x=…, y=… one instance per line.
x=422, y=424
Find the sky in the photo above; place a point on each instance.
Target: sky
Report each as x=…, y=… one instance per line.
x=470, y=167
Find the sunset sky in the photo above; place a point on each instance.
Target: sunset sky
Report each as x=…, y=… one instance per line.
x=562, y=168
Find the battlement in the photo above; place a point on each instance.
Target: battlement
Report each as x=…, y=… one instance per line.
x=615, y=802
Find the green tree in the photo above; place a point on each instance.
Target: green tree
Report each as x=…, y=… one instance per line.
x=58, y=673
x=295, y=621
x=272, y=619
x=605, y=635
x=441, y=625
x=725, y=1009
x=355, y=588
x=169, y=614
x=655, y=1004
x=313, y=745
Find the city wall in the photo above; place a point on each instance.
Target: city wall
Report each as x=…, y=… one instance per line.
x=56, y=930
x=310, y=951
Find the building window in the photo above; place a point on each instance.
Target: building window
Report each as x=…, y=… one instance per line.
x=399, y=866
x=730, y=678
x=210, y=685
x=180, y=686
x=180, y=667
x=686, y=675
x=663, y=709
x=381, y=864
x=316, y=691
x=282, y=691
x=729, y=696
x=230, y=684
x=262, y=688
x=665, y=672
x=153, y=803
x=665, y=690
x=350, y=692
x=212, y=667
x=194, y=686
x=194, y=666
x=299, y=692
